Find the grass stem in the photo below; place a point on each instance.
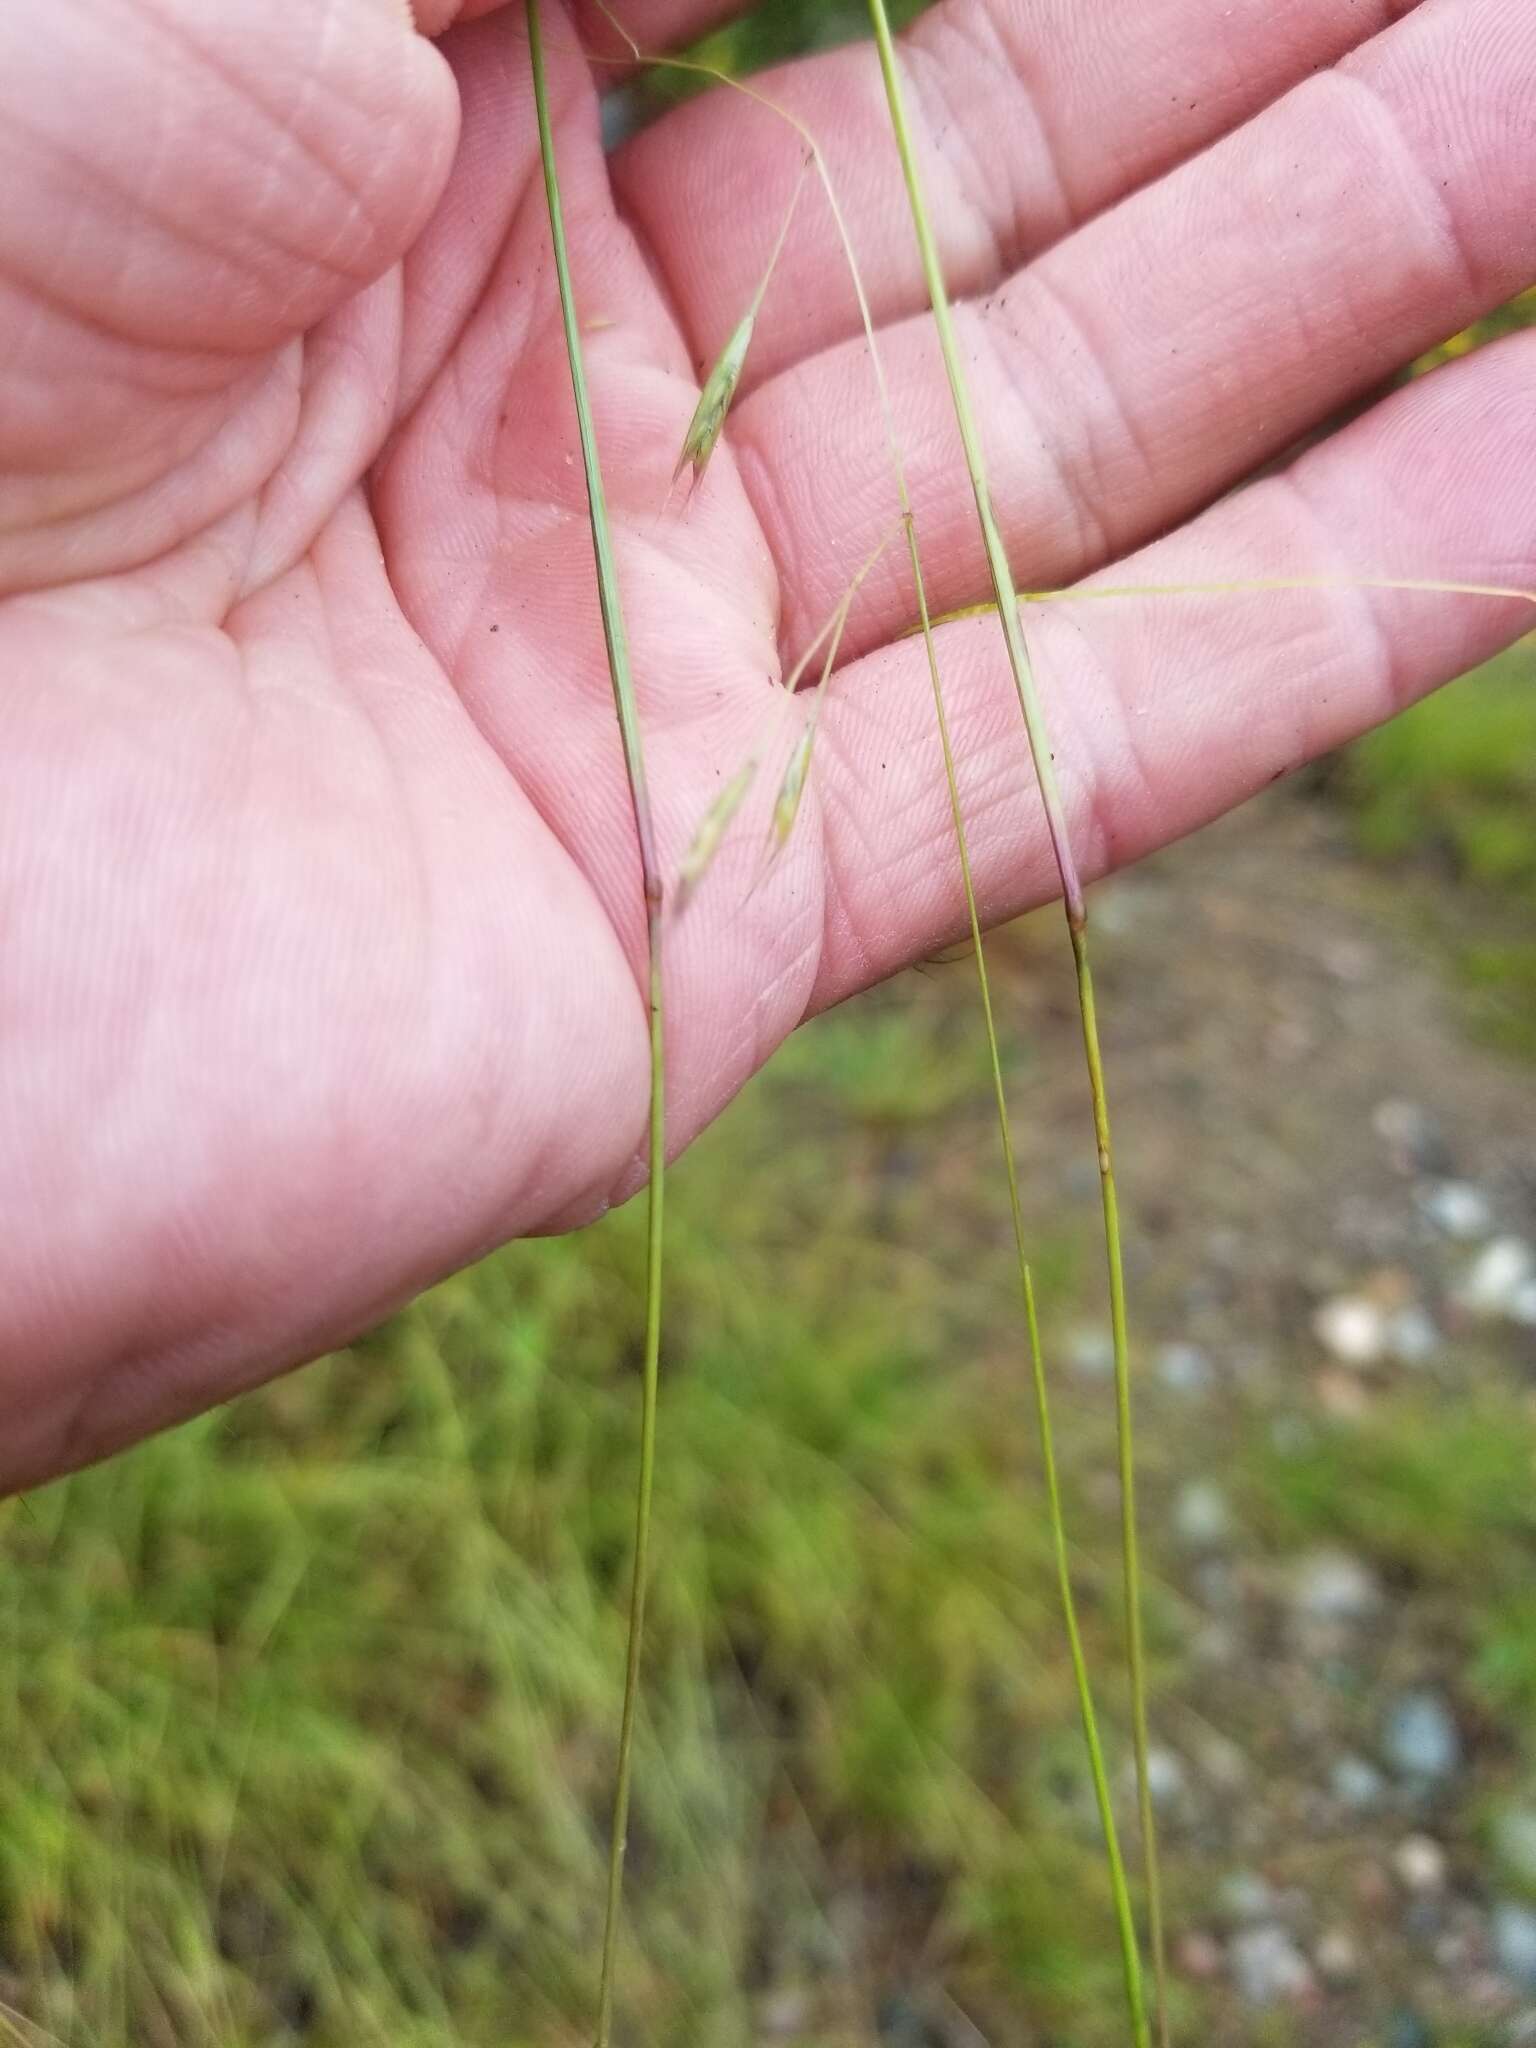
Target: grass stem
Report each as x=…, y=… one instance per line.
x=1077, y=920
x=1124, y=1919
x=1130, y=1956
x=617, y=643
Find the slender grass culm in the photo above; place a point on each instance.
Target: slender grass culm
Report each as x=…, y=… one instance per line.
x=634, y=760
x=1004, y=592
x=703, y=433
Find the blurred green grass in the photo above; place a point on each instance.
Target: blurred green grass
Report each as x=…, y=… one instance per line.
x=1456, y=776
x=307, y=1728
x=1453, y=783
x=769, y=34
x=1439, y=1495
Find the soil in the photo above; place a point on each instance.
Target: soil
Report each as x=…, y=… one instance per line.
x=1293, y=1078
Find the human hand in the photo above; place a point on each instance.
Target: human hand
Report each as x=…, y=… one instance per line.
x=322, y=916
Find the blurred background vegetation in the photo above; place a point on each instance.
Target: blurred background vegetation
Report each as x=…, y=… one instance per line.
x=306, y=1728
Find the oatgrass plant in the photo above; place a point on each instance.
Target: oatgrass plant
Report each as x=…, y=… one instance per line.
x=700, y=439
x=702, y=436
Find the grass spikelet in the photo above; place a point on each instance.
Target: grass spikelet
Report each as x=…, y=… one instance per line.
x=1077, y=922
x=705, y=843
x=708, y=422
x=786, y=806
x=617, y=642
x=713, y=826
x=704, y=429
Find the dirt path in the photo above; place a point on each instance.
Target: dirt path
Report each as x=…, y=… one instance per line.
x=1317, y=1157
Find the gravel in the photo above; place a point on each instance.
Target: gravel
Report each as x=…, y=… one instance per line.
x=1268, y=1968
x=1421, y=1739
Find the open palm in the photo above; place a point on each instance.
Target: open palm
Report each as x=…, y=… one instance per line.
x=321, y=902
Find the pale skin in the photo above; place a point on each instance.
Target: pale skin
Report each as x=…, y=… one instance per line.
x=318, y=885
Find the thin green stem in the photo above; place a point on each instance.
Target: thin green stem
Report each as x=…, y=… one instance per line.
x=1256, y=586
x=1124, y=1919
x=1120, y=1890
x=778, y=249
x=634, y=760
x=1130, y=1957
x=1077, y=919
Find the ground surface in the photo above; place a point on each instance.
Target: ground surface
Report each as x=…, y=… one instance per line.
x=1304, y=1114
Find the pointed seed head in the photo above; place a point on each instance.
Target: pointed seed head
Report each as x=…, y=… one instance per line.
x=786, y=805
x=715, y=401
x=706, y=840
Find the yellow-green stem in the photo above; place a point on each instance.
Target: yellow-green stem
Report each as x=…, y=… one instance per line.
x=1125, y=1450
x=1130, y=1958
x=1077, y=917
x=650, y=1386
x=617, y=643
x=1124, y=1920
x=1258, y=586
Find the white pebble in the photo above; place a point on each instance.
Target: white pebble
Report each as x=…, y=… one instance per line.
x=1457, y=1208
x=1201, y=1515
x=1091, y=1353
x=1496, y=1281
x=1337, y=1958
x=1185, y=1368
x=1332, y=1585
x=1420, y=1864
x=1244, y=1895
x=1356, y=1782
x=1412, y=1337
x=1422, y=1740
x=1268, y=1968
x=1351, y=1329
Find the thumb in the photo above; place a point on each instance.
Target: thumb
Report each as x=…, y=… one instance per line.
x=188, y=186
